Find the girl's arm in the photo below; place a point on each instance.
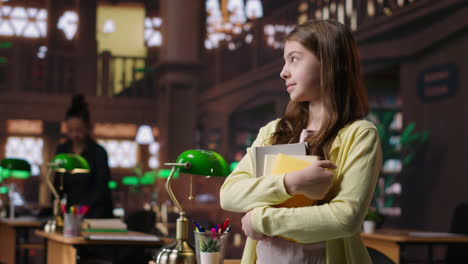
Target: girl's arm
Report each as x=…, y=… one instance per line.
x=343, y=215
x=242, y=192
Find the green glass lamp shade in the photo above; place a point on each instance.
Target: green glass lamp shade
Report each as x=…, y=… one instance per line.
x=233, y=165
x=16, y=168
x=71, y=163
x=4, y=189
x=164, y=174
x=203, y=162
x=112, y=185
x=130, y=180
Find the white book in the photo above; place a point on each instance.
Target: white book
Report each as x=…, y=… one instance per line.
x=104, y=223
x=122, y=237
x=259, y=153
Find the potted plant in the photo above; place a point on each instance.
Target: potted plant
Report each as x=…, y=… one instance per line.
x=400, y=145
x=210, y=251
x=372, y=219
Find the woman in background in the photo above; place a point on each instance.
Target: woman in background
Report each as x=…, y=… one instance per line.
x=88, y=188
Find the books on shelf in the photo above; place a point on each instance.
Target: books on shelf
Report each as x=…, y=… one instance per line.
x=104, y=225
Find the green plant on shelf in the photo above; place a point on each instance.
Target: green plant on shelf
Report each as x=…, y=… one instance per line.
x=374, y=216
x=399, y=148
x=210, y=245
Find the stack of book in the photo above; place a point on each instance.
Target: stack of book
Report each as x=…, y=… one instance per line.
x=280, y=159
x=112, y=225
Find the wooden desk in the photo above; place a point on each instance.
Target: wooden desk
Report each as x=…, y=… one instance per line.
x=9, y=242
x=232, y=261
x=392, y=243
x=62, y=249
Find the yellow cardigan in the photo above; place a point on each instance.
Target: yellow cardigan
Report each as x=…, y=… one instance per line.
x=357, y=152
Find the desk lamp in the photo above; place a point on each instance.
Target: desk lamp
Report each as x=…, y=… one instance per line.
x=197, y=162
x=62, y=163
x=15, y=168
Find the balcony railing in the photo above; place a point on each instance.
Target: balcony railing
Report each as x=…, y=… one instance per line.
x=124, y=76
x=22, y=71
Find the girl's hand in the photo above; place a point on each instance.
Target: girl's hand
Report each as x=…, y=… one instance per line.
x=248, y=228
x=314, y=181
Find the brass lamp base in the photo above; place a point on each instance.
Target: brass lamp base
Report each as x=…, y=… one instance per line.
x=179, y=252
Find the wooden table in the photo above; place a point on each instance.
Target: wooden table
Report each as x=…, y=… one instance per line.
x=61, y=249
x=232, y=261
x=10, y=230
x=393, y=242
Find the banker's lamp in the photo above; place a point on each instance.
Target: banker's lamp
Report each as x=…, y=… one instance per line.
x=197, y=162
x=62, y=163
x=15, y=168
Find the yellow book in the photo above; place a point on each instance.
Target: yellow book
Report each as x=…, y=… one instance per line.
x=284, y=164
x=270, y=160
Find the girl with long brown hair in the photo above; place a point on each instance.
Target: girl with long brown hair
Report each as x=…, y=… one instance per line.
x=327, y=107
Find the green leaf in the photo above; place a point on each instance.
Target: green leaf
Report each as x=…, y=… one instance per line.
x=425, y=136
x=210, y=245
x=407, y=160
x=389, y=201
x=407, y=132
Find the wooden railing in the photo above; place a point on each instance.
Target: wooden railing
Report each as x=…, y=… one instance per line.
x=124, y=76
x=23, y=72
x=225, y=63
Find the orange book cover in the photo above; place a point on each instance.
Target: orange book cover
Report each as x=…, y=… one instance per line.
x=285, y=164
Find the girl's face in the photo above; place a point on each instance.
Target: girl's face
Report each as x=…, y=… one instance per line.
x=77, y=130
x=301, y=71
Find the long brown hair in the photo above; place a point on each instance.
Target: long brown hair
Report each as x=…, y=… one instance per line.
x=343, y=95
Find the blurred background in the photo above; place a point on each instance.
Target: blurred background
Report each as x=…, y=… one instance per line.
x=163, y=76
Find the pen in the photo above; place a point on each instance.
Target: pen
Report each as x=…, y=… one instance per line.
x=84, y=209
x=200, y=228
x=64, y=209
x=226, y=223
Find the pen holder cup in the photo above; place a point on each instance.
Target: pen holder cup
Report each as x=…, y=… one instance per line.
x=210, y=248
x=72, y=225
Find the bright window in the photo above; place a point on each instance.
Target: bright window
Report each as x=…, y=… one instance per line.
x=152, y=34
x=122, y=153
x=28, y=148
x=21, y=21
x=68, y=23
x=153, y=161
